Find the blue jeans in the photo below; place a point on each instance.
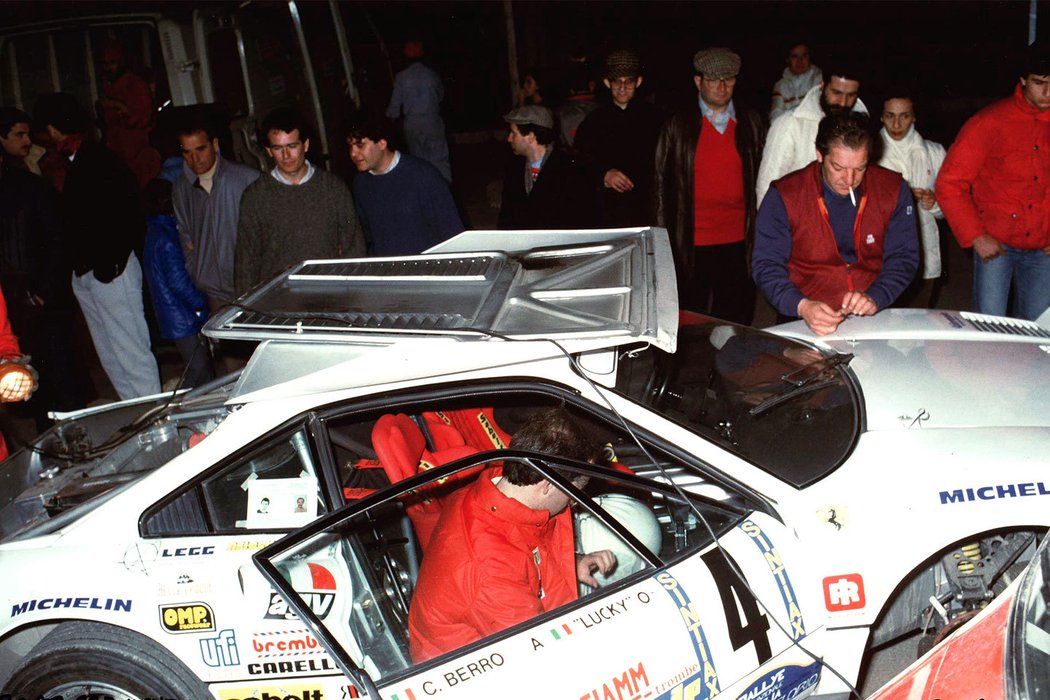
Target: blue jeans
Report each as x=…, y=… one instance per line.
x=1029, y=270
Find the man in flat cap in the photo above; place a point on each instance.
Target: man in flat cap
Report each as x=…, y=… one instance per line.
x=706, y=160
x=791, y=139
x=542, y=185
x=615, y=145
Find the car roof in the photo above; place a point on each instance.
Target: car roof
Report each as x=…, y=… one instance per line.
x=589, y=290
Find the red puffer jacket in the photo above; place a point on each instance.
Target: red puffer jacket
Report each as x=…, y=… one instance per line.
x=996, y=178
x=491, y=563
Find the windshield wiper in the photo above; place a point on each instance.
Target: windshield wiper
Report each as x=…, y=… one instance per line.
x=804, y=381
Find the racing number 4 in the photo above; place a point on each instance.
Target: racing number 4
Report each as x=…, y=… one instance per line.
x=755, y=624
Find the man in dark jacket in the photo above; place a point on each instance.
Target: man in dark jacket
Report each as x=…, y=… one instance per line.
x=708, y=204
x=615, y=144
x=542, y=187
x=35, y=281
x=102, y=227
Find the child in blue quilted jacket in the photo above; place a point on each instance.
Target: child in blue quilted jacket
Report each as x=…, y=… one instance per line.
x=180, y=307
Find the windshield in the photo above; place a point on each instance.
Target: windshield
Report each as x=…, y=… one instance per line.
x=782, y=405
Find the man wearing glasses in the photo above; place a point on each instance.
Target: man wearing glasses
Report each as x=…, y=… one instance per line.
x=615, y=144
x=297, y=213
x=706, y=160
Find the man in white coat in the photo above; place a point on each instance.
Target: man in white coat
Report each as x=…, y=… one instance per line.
x=800, y=76
x=791, y=138
x=919, y=161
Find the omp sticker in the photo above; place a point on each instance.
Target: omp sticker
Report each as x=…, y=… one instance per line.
x=189, y=617
x=783, y=683
x=705, y=683
x=844, y=592
x=780, y=575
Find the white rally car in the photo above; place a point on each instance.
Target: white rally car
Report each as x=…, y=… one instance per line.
x=778, y=503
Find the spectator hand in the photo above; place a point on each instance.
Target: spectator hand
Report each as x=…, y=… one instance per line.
x=603, y=561
x=987, y=247
x=858, y=304
x=617, y=180
x=821, y=318
x=925, y=198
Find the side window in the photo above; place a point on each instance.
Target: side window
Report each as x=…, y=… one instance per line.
x=275, y=487
x=520, y=551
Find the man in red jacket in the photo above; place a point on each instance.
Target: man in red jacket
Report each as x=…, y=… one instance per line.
x=503, y=551
x=838, y=237
x=994, y=189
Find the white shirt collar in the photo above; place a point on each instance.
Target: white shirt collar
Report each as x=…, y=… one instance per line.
x=279, y=176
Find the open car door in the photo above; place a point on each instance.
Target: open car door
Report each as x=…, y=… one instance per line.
x=701, y=600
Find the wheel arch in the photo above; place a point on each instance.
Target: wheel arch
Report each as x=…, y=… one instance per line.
x=905, y=598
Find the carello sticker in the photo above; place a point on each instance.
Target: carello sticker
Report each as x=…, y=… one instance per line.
x=783, y=683
x=188, y=617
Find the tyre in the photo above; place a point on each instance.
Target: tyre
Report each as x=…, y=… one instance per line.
x=101, y=662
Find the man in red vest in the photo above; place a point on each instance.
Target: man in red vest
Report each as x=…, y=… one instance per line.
x=707, y=159
x=838, y=237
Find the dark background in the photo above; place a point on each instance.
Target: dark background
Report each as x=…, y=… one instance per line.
x=959, y=54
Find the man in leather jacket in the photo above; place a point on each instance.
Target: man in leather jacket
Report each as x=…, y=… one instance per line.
x=709, y=213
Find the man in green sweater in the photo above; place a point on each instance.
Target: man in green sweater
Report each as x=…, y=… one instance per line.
x=297, y=213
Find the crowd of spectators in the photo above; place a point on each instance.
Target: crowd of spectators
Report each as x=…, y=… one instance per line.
x=806, y=201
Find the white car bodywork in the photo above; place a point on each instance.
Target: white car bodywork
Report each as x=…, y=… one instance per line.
x=947, y=446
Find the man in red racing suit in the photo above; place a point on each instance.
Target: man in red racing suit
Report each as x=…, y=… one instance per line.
x=502, y=551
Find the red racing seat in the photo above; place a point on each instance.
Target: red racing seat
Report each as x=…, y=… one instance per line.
x=401, y=448
x=475, y=427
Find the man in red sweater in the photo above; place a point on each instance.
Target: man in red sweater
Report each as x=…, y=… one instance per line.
x=706, y=161
x=994, y=188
